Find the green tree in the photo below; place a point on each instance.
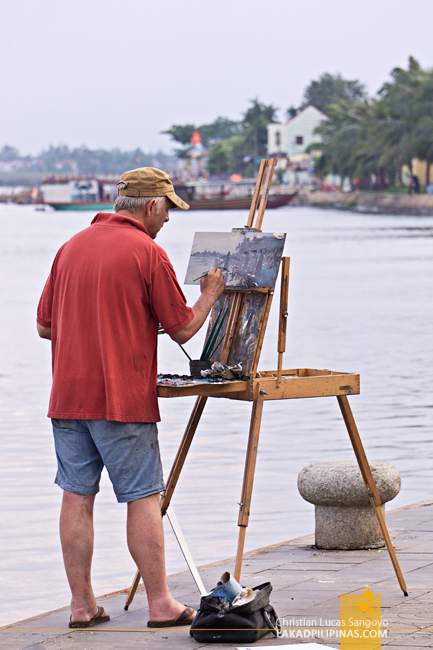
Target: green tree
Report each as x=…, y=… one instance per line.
x=254, y=127
x=221, y=129
x=227, y=157
x=181, y=133
x=407, y=101
x=331, y=89
x=219, y=159
x=291, y=112
x=339, y=142
x=237, y=153
x=352, y=144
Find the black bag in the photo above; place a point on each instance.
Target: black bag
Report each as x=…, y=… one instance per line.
x=246, y=623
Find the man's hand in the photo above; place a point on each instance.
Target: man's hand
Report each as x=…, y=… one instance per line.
x=213, y=284
x=212, y=287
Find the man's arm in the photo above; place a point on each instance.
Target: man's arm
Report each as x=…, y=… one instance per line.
x=212, y=287
x=44, y=332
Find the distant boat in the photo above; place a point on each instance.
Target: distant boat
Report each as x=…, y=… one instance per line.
x=94, y=193
x=79, y=192
x=226, y=195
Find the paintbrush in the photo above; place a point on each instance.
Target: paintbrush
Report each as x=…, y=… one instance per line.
x=210, y=345
x=204, y=355
x=203, y=275
x=211, y=348
x=184, y=351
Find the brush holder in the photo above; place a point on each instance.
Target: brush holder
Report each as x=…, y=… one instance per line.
x=196, y=366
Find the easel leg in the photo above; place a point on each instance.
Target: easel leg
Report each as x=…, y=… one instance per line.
x=247, y=486
x=174, y=474
x=133, y=588
x=369, y=483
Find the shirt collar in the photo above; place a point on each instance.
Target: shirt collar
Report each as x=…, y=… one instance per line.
x=114, y=219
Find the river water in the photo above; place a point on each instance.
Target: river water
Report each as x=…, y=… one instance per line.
x=360, y=299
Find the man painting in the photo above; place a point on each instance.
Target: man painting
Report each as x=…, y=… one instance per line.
x=109, y=288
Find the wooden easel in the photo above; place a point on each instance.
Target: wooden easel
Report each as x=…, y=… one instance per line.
x=263, y=386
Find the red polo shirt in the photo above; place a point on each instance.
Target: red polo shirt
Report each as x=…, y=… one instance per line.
x=109, y=287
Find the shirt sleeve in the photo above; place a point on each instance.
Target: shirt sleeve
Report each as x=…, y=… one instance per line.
x=167, y=300
x=45, y=306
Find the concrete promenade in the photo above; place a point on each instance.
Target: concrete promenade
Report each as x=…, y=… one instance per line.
x=307, y=584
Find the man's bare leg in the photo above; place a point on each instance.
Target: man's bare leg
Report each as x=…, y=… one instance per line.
x=146, y=545
x=76, y=535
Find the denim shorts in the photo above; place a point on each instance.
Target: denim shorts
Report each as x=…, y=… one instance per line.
x=129, y=451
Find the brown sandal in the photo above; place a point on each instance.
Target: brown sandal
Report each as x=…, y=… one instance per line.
x=182, y=619
x=99, y=617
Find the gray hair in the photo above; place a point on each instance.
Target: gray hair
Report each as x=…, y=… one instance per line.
x=133, y=204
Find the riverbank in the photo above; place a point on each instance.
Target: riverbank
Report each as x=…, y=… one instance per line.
x=373, y=202
x=307, y=585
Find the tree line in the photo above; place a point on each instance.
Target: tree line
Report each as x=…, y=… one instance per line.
x=28, y=170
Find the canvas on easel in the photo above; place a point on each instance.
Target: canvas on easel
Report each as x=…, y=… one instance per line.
x=250, y=262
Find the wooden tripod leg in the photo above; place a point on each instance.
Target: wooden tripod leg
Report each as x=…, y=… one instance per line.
x=369, y=483
x=175, y=471
x=132, y=590
x=247, y=486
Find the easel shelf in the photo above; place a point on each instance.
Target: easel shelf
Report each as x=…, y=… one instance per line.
x=295, y=383
x=209, y=389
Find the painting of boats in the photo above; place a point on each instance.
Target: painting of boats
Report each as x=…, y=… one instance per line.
x=248, y=259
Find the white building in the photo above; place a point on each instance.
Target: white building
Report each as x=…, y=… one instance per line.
x=293, y=137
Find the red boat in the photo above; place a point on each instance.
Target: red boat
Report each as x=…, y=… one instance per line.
x=224, y=195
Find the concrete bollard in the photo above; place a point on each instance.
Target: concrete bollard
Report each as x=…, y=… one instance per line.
x=344, y=517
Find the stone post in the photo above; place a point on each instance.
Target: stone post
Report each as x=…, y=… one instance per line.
x=345, y=518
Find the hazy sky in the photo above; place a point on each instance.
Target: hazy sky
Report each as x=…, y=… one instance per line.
x=108, y=73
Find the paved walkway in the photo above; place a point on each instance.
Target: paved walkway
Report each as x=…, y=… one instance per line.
x=307, y=584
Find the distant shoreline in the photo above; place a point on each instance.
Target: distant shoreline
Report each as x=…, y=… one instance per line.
x=373, y=203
